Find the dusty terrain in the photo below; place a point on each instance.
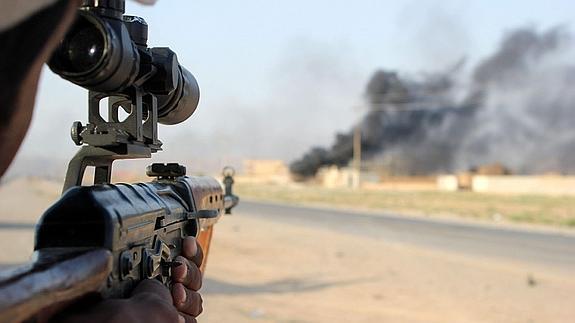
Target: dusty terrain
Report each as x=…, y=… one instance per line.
x=261, y=270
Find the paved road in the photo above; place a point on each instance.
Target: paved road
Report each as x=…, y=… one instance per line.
x=554, y=249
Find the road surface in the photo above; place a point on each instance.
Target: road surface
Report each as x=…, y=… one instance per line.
x=553, y=249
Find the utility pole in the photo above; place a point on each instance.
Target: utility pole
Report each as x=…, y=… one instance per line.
x=357, y=157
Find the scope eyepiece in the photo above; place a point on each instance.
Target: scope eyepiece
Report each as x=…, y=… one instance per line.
x=84, y=49
x=97, y=54
x=106, y=52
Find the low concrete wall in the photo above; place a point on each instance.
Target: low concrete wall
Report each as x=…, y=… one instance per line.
x=401, y=186
x=548, y=185
x=447, y=183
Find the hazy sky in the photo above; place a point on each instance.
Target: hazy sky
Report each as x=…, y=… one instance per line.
x=279, y=76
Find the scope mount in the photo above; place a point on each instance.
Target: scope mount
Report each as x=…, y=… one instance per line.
x=104, y=141
x=143, y=86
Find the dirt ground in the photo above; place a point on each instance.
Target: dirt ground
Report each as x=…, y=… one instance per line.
x=264, y=271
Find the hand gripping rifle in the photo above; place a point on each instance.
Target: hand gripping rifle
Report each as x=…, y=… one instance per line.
x=105, y=238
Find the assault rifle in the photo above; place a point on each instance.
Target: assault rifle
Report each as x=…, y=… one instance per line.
x=105, y=238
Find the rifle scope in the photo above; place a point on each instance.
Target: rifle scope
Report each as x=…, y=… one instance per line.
x=106, y=51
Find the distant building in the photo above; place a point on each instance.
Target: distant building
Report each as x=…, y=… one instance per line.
x=264, y=170
x=464, y=180
x=497, y=179
x=496, y=169
x=344, y=177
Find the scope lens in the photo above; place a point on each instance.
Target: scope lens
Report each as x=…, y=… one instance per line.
x=97, y=53
x=84, y=48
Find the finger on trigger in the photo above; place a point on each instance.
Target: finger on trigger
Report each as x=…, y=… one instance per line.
x=189, y=275
x=180, y=269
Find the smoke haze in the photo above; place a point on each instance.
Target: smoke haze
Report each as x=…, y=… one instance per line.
x=277, y=121
x=515, y=107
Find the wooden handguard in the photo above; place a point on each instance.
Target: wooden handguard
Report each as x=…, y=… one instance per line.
x=204, y=239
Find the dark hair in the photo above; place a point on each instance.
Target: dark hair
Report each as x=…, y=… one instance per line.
x=20, y=46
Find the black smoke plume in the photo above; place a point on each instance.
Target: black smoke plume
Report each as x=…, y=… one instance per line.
x=516, y=107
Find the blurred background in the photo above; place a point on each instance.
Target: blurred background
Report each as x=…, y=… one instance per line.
x=407, y=161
